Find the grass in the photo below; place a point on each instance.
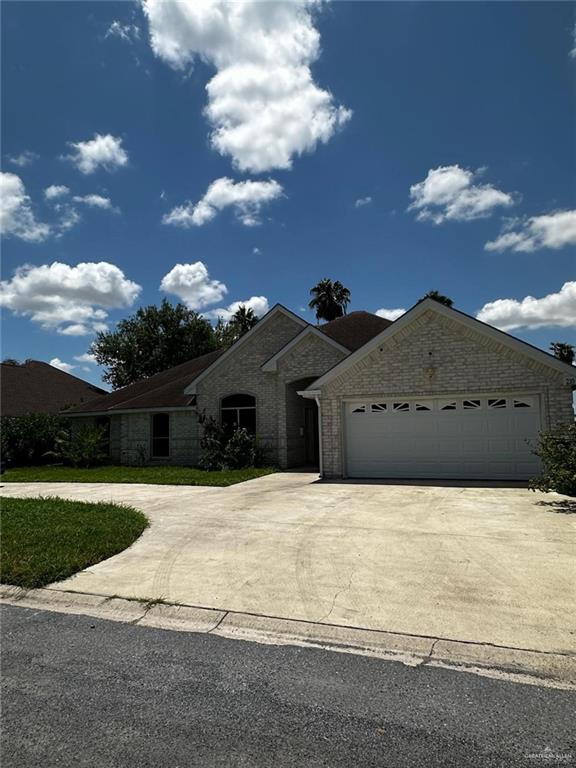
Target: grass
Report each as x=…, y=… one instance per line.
x=49, y=539
x=117, y=474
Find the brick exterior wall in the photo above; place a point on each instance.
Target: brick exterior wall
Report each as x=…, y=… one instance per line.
x=305, y=362
x=437, y=355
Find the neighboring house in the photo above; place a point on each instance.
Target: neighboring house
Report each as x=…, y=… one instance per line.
x=37, y=387
x=434, y=394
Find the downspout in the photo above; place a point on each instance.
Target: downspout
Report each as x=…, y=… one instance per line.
x=320, y=447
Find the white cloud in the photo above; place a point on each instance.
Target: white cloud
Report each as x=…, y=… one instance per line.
x=86, y=357
x=56, y=191
x=362, y=201
x=128, y=33
x=552, y=230
x=263, y=104
x=555, y=309
x=192, y=284
x=23, y=159
x=390, y=314
x=70, y=300
x=96, y=201
x=259, y=304
x=66, y=367
x=246, y=198
x=16, y=215
x=573, y=49
x=452, y=193
x=103, y=151
x=256, y=251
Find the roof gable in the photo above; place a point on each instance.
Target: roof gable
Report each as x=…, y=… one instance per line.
x=310, y=330
x=274, y=312
x=401, y=325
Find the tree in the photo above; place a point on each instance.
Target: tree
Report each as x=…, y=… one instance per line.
x=329, y=299
x=564, y=352
x=152, y=340
x=439, y=297
x=241, y=322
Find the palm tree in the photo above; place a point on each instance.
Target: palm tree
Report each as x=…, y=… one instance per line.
x=564, y=352
x=243, y=320
x=440, y=298
x=329, y=299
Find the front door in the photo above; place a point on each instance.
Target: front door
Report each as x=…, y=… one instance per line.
x=311, y=434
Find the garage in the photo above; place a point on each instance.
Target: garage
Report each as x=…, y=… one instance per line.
x=473, y=437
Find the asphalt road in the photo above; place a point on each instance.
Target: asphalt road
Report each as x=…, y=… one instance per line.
x=85, y=692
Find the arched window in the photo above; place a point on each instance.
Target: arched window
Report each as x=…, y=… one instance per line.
x=239, y=411
x=160, y=435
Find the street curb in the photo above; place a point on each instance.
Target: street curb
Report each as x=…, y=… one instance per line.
x=519, y=665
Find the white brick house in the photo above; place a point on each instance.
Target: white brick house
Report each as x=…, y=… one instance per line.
x=435, y=394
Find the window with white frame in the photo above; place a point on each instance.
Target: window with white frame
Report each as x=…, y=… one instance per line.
x=239, y=412
x=160, y=447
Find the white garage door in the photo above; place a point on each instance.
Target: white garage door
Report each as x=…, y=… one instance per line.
x=464, y=437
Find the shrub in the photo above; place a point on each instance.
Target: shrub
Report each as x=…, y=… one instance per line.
x=212, y=444
x=557, y=450
x=27, y=439
x=227, y=449
x=84, y=447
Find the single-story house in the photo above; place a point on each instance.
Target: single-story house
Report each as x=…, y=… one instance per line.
x=38, y=387
x=436, y=394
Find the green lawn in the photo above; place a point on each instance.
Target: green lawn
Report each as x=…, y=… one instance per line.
x=49, y=539
x=116, y=474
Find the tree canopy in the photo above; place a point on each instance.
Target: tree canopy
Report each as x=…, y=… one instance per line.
x=562, y=351
x=151, y=340
x=439, y=297
x=329, y=299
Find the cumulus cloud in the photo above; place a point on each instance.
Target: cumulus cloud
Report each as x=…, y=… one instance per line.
x=362, y=201
x=56, y=191
x=246, y=198
x=23, y=159
x=259, y=305
x=73, y=301
x=552, y=230
x=555, y=309
x=96, y=201
x=17, y=218
x=451, y=193
x=61, y=365
x=390, y=314
x=128, y=33
x=192, y=284
x=86, y=357
x=103, y=151
x=263, y=104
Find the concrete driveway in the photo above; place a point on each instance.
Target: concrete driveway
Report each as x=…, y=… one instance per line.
x=488, y=565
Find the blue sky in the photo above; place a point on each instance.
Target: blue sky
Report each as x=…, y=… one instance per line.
x=397, y=147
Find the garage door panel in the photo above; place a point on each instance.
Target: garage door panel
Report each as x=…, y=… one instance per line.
x=485, y=437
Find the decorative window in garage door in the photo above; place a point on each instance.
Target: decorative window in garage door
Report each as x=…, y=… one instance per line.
x=358, y=409
x=378, y=407
x=470, y=405
x=497, y=402
x=448, y=405
x=401, y=407
x=424, y=406
x=525, y=402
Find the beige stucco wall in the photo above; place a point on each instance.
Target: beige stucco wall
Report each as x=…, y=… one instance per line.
x=437, y=355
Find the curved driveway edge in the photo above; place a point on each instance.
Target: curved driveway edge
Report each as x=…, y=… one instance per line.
x=487, y=565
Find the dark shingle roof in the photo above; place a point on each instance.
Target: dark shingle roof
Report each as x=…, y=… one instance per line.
x=163, y=390
x=355, y=330
x=166, y=389
x=38, y=387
